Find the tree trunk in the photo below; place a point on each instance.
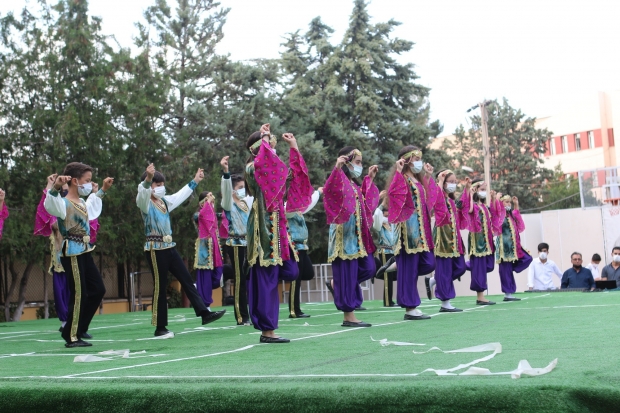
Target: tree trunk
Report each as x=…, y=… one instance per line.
x=7, y=302
x=17, y=315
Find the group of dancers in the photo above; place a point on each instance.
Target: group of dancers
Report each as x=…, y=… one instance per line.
x=266, y=237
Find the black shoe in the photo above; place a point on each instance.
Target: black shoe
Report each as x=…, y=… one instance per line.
x=417, y=317
x=449, y=310
x=299, y=315
x=79, y=343
x=393, y=305
x=210, y=316
x=511, y=299
x=85, y=335
x=273, y=340
x=60, y=330
x=459, y=279
x=162, y=332
x=360, y=308
x=427, y=282
x=244, y=323
x=382, y=270
x=478, y=302
x=330, y=288
x=352, y=324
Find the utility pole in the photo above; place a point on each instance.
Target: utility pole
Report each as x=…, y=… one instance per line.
x=485, y=144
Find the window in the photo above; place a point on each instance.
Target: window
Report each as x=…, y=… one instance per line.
x=577, y=142
x=591, y=139
x=552, y=146
x=564, y=144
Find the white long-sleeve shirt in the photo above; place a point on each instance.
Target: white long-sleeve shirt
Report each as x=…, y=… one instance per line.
x=143, y=199
x=540, y=274
x=594, y=270
x=378, y=220
x=227, y=195
x=55, y=205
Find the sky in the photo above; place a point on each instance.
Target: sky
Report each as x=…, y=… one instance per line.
x=542, y=55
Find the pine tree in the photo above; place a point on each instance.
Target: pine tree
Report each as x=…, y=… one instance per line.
x=516, y=150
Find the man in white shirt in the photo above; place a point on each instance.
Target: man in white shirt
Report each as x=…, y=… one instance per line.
x=541, y=269
x=594, y=267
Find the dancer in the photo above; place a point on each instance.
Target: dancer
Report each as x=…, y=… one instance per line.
x=4, y=211
x=385, y=251
x=299, y=237
x=482, y=220
x=349, y=209
x=236, y=207
x=73, y=216
x=509, y=253
x=412, y=195
x=208, y=259
x=269, y=249
x=160, y=250
x=451, y=216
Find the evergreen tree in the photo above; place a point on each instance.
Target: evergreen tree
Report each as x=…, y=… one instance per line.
x=516, y=151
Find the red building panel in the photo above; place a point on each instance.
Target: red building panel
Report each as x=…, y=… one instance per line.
x=610, y=134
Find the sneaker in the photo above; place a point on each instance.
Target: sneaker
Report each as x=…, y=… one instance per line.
x=79, y=343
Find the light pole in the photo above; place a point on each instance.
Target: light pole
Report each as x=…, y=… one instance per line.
x=484, y=116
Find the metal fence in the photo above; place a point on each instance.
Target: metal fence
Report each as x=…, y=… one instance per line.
x=600, y=186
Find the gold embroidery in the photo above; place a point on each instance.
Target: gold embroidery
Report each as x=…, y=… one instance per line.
x=81, y=208
x=157, y=287
x=161, y=205
x=386, y=300
x=291, y=308
x=455, y=235
x=403, y=232
x=209, y=265
x=485, y=229
x=77, y=281
x=339, y=247
x=502, y=254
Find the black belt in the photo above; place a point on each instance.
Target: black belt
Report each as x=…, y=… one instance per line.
x=154, y=238
x=76, y=238
x=238, y=238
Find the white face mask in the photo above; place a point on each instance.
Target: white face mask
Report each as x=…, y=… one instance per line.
x=450, y=187
x=159, y=192
x=357, y=171
x=417, y=166
x=508, y=207
x=542, y=255
x=240, y=193
x=616, y=258
x=482, y=194
x=85, y=189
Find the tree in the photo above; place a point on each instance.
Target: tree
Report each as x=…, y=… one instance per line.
x=516, y=150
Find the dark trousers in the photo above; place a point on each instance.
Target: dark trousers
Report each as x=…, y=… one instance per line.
x=306, y=273
x=86, y=292
x=163, y=262
x=388, y=279
x=237, y=257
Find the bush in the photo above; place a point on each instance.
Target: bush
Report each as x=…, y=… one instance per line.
x=52, y=311
x=12, y=308
x=174, y=297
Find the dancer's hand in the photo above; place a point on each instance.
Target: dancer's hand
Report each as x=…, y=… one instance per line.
x=341, y=161
x=224, y=163
x=199, y=175
x=320, y=190
x=95, y=187
x=290, y=139
x=150, y=172
x=515, y=202
x=107, y=184
x=2, y=195
x=60, y=181
x=382, y=194
x=400, y=164
x=428, y=168
x=498, y=196
x=50, y=181
x=467, y=183
x=372, y=171
x=264, y=128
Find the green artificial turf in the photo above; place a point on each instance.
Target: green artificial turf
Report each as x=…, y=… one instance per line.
x=200, y=371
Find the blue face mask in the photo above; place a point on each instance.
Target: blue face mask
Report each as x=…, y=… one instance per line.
x=417, y=166
x=86, y=189
x=357, y=171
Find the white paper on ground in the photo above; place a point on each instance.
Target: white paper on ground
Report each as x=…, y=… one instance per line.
x=523, y=369
x=111, y=355
x=384, y=342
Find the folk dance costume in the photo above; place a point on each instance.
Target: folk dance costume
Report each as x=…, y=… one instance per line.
x=349, y=211
x=208, y=259
x=83, y=278
x=236, y=214
x=299, y=237
x=508, y=251
x=163, y=257
x=410, y=206
x=450, y=218
x=4, y=214
x=270, y=253
x=482, y=220
x=385, y=251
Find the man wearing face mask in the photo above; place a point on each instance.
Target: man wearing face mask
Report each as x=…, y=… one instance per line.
x=236, y=205
x=160, y=250
x=510, y=256
x=73, y=215
x=611, y=272
x=541, y=269
x=594, y=267
x=577, y=276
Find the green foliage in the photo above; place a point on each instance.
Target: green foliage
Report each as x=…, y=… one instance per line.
x=51, y=311
x=516, y=150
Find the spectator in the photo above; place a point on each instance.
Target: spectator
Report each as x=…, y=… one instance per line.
x=577, y=276
x=539, y=276
x=611, y=272
x=593, y=267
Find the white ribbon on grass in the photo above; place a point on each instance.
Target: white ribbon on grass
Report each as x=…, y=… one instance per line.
x=523, y=369
x=112, y=355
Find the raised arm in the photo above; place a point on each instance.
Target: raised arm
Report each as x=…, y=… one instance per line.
x=338, y=197
x=270, y=174
x=300, y=190
x=377, y=220
x=520, y=225
x=143, y=199
x=179, y=197
x=316, y=195
x=401, y=202
x=43, y=221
